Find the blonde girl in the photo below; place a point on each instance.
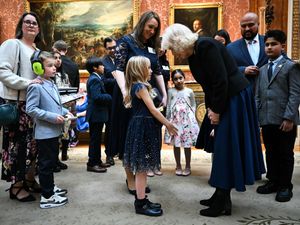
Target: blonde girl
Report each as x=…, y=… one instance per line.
x=142, y=145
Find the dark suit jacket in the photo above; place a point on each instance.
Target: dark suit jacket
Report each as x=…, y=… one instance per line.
x=216, y=71
x=71, y=68
x=108, y=79
x=98, y=100
x=239, y=51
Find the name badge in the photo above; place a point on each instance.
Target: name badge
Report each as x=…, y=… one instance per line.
x=165, y=67
x=151, y=50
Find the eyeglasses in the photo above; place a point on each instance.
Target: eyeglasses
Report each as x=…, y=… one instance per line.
x=111, y=48
x=28, y=23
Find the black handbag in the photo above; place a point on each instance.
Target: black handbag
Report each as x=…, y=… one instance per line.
x=9, y=112
x=156, y=96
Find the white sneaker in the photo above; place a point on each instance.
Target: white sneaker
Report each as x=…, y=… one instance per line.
x=59, y=191
x=53, y=201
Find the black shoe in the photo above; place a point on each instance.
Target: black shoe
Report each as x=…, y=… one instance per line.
x=110, y=161
x=220, y=206
x=64, y=157
x=208, y=202
x=133, y=192
x=56, y=169
x=153, y=205
x=267, y=188
x=28, y=198
x=62, y=165
x=96, y=169
x=104, y=165
x=143, y=207
x=284, y=195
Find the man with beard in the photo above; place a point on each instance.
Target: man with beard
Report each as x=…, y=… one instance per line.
x=248, y=51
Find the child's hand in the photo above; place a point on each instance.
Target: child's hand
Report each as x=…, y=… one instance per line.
x=172, y=129
x=286, y=125
x=60, y=119
x=69, y=114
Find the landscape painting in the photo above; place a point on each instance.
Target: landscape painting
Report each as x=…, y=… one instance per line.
x=83, y=24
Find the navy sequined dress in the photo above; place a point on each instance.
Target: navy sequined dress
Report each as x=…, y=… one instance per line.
x=143, y=139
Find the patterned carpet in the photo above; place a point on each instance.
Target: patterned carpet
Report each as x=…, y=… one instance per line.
x=102, y=199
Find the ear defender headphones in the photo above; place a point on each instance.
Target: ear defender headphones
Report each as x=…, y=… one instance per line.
x=36, y=63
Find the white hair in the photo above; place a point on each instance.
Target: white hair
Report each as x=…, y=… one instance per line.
x=178, y=38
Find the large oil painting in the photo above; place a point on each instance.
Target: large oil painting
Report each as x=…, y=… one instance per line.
x=202, y=18
x=83, y=24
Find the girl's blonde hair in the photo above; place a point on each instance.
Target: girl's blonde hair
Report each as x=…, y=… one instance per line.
x=137, y=71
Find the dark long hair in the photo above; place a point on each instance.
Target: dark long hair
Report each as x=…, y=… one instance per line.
x=60, y=69
x=223, y=33
x=19, y=32
x=139, y=28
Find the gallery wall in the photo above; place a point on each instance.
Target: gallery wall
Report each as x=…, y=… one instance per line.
x=232, y=12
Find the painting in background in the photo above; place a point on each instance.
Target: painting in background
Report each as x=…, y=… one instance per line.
x=83, y=24
x=208, y=14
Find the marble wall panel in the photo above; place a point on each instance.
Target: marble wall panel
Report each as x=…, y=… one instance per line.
x=10, y=11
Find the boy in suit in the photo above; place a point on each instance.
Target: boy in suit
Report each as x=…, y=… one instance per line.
x=277, y=99
x=44, y=106
x=97, y=113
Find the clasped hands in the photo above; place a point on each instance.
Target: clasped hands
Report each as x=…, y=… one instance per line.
x=213, y=117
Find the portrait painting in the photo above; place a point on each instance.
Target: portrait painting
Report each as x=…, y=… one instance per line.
x=203, y=18
x=83, y=25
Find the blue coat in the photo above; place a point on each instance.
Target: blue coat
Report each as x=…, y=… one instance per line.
x=98, y=100
x=239, y=51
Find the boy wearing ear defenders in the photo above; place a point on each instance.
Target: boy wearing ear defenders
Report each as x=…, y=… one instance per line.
x=44, y=106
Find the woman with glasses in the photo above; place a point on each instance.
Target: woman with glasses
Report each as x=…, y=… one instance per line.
x=19, y=148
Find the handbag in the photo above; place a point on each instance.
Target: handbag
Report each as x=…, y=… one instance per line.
x=9, y=112
x=156, y=96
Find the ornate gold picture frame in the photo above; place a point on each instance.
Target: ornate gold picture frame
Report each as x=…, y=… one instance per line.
x=208, y=14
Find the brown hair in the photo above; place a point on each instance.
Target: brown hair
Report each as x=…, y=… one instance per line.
x=19, y=32
x=139, y=28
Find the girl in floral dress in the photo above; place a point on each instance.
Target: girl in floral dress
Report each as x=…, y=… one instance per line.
x=181, y=108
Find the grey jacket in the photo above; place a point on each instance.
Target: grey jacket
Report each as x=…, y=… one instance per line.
x=278, y=99
x=44, y=105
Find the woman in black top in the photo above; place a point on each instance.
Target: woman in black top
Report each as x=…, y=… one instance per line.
x=231, y=108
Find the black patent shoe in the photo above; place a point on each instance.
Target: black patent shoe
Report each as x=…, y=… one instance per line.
x=284, y=195
x=153, y=205
x=144, y=208
x=267, y=188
